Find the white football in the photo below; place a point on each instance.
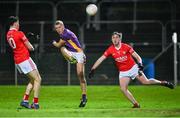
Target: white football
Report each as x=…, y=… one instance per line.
x=91, y=9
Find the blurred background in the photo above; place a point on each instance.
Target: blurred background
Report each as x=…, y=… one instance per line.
x=147, y=25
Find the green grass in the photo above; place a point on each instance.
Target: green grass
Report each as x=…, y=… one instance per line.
x=103, y=101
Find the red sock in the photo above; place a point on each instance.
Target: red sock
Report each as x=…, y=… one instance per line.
x=35, y=100
x=26, y=97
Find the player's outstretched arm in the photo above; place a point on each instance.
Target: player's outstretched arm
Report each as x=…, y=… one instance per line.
x=138, y=60
x=96, y=64
x=136, y=57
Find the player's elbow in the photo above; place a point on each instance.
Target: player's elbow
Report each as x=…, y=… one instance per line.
x=31, y=48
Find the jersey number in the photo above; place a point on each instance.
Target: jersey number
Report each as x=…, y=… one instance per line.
x=12, y=43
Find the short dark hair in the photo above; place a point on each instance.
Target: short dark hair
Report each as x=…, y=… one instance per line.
x=117, y=33
x=12, y=20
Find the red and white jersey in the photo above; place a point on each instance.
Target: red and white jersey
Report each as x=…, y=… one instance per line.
x=16, y=40
x=122, y=56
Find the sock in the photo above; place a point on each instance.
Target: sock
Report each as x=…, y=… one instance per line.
x=35, y=100
x=26, y=98
x=83, y=96
x=163, y=82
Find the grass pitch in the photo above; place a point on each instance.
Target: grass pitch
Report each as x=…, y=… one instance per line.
x=103, y=101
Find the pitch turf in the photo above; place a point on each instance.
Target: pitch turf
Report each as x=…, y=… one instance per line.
x=103, y=101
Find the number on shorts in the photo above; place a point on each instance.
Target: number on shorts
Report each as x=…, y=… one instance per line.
x=12, y=43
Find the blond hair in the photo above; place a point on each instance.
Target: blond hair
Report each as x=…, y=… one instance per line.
x=59, y=22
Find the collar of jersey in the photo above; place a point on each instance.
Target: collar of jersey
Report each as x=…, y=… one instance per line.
x=13, y=29
x=118, y=48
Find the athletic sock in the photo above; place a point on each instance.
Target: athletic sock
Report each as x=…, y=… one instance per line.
x=84, y=96
x=26, y=98
x=163, y=82
x=35, y=100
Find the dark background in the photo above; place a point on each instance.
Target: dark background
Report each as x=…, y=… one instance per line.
x=147, y=25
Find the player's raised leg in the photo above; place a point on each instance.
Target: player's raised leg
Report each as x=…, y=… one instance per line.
x=143, y=79
x=83, y=84
x=124, y=81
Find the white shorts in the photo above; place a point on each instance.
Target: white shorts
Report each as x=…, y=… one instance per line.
x=132, y=73
x=26, y=66
x=79, y=56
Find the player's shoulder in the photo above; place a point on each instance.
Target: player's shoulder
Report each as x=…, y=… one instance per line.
x=70, y=33
x=125, y=45
x=67, y=31
x=20, y=32
x=13, y=32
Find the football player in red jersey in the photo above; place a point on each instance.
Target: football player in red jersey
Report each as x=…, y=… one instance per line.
x=130, y=66
x=21, y=47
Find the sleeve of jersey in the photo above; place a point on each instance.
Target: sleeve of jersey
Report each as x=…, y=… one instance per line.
x=23, y=37
x=130, y=49
x=107, y=52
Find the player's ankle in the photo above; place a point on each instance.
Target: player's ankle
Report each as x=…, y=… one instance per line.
x=163, y=82
x=84, y=97
x=35, y=100
x=25, y=97
x=25, y=100
x=136, y=105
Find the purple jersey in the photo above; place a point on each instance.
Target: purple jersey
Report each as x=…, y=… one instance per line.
x=72, y=43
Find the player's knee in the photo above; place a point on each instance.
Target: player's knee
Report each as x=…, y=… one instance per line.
x=80, y=74
x=123, y=89
x=38, y=79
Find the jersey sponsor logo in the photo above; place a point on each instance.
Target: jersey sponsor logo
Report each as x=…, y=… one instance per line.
x=124, y=52
x=121, y=59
